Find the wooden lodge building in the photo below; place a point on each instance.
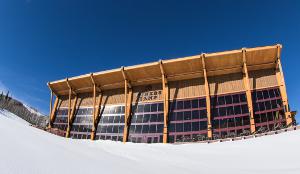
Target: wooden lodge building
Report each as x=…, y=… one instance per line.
x=206, y=96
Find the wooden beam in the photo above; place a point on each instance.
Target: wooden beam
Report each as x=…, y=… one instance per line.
x=207, y=97
x=128, y=103
x=96, y=116
x=125, y=77
x=71, y=111
x=248, y=92
x=53, y=112
x=282, y=87
x=165, y=88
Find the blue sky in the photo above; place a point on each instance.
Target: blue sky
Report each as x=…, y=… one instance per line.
x=47, y=40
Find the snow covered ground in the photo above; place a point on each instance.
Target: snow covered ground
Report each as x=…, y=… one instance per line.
x=7, y=114
x=27, y=150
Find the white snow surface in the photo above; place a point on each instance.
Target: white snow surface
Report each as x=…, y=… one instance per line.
x=27, y=150
x=7, y=114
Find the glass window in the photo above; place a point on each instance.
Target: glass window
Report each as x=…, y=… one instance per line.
x=259, y=95
x=152, y=128
x=266, y=94
x=105, y=119
x=230, y=110
x=221, y=100
x=203, y=125
x=268, y=105
x=187, y=115
x=195, y=103
x=160, y=128
x=245, y=109
x=277, y=93
x=238, y=121
x=179, y=127
x=274, y=104
x=115, y=129
x=222, y=111
x=228, y=99
x=160, y=117
x=246, y=121
x=202, y=103
x=195, y=126
x=243, y=98
x=257, y=118
x=121, y=128
x=195, y=114
x=231, y=122
x=172, y=127
x=187, y=104
x=160, y=107
x=172, y=116
x=118, y=110
x=146, y=118
x=263, y=117
x=134, y=118
x=203, y=113
x=140, y=108
x=139, y=119
x=223, y=123
x=153, y=107
x=109, y=129
x=117, y=119
x=187, y=127
x=261, y=106
x=237, y=110
x=111, y=119
x=122, y=119
x=179, y=105
x=138, y=129
x=235, y=98
x=132, y=129
x=147, y=108
x=270, y=116
x=271, y=93
x=153, y=118
x=179, y=116
x=215, y=112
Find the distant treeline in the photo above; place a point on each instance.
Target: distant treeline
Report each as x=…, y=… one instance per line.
x=17, y=108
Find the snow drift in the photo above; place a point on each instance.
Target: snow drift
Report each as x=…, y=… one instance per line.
x=27, y=150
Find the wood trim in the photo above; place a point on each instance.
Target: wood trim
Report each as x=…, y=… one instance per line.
x=282, y=87
x=94, y=111
x=248, y=92
x=207, y=96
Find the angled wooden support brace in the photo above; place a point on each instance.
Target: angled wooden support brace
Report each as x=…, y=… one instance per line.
x=248, y=91
x=207, y=97
x=52, y=109
x=71, y=109
x=165, y=88
x=282, y=87
x=128, y=104
x=96, y=107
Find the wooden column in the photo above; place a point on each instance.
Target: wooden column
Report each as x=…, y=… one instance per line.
x=53, y=112
x=71, y=109
x=207, y=97
x=248, y=91
x=96, y=107
x=165, y=89
x=128, y=103
x=282, y=87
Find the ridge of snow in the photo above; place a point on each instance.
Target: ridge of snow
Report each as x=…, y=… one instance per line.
x=28, y=150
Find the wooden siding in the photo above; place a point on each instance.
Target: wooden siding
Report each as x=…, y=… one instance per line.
x=226, y=84
x=187, y=88
x=262, y=79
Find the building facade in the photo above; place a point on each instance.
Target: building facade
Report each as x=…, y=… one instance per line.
x=207, y=96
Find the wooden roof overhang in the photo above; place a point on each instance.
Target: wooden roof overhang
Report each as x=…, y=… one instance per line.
x=219, y=63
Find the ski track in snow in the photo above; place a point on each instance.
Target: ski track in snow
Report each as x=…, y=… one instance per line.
x=27, y=150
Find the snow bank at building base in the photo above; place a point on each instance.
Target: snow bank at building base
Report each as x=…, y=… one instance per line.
x=27, y=150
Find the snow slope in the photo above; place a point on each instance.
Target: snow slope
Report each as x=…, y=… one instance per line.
x=26, y=150
x=7, y=114
x=32, y=110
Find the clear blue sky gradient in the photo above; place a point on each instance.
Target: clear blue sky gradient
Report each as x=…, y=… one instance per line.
x=47, y=40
